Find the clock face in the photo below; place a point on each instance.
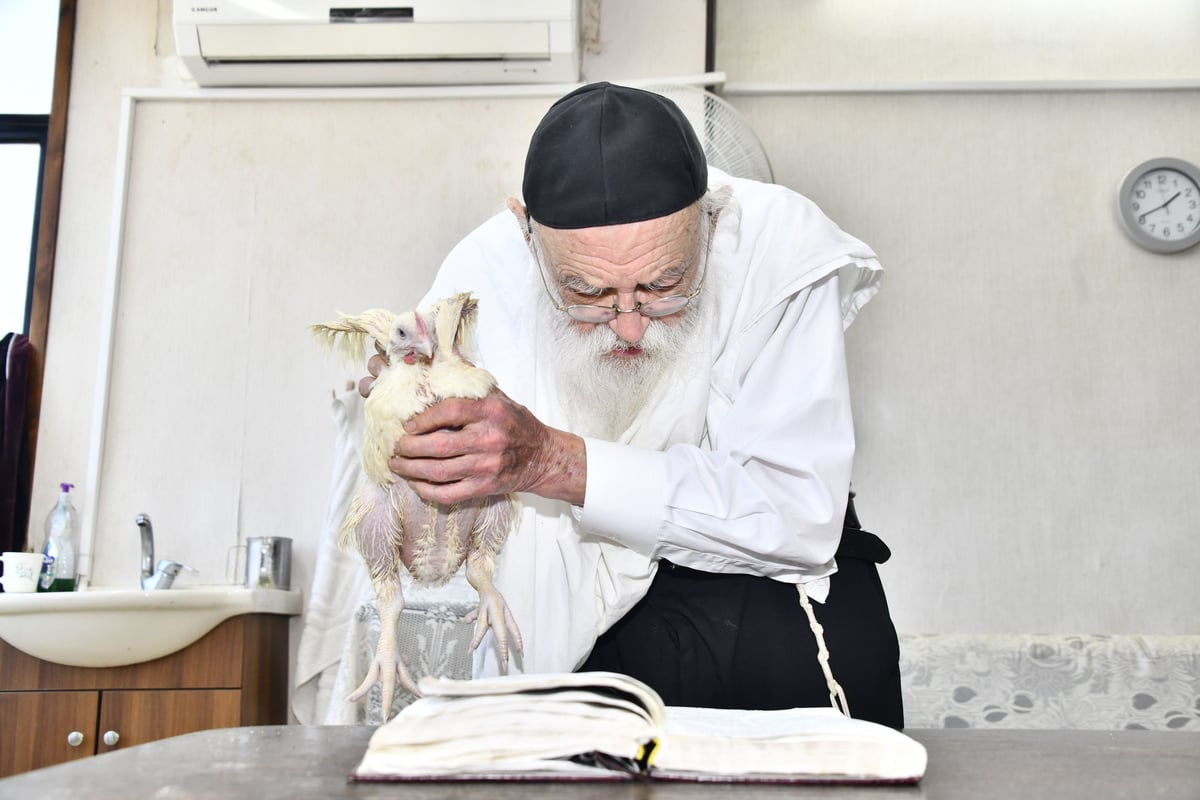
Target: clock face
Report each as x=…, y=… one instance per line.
x=1159, y=205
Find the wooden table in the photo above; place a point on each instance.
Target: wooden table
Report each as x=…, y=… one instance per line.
x=292, y=761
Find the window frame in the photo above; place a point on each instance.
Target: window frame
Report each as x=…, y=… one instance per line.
x=46, y=237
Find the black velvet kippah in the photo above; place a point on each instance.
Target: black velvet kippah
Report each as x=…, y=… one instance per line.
x=608, y=155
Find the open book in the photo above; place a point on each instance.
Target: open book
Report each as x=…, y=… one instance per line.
x=607, y=726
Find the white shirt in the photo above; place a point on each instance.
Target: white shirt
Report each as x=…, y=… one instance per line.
x=746, y=469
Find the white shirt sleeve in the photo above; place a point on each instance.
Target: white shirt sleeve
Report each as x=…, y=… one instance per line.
x=768, y=494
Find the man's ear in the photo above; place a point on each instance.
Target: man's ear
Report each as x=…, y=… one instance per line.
x=518, y=211
x=724, y=193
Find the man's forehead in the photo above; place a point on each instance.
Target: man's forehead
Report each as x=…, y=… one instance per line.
x=606, y=259
x=674, y=231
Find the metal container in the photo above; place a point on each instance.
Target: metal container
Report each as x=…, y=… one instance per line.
x=268, y=562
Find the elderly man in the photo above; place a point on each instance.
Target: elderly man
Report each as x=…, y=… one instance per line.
x=676, y=415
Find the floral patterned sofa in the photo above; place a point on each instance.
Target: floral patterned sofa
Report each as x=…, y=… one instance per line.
x=1103, y=682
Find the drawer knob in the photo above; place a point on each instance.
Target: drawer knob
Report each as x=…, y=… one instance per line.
x=74, y=738
x=111, y=738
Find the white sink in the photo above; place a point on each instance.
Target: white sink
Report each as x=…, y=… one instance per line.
x=111, y=627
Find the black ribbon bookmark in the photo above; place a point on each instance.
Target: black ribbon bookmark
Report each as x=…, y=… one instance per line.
x=637, y=767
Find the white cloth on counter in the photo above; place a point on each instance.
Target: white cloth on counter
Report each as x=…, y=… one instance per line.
x=745, y=468
x=340, y=581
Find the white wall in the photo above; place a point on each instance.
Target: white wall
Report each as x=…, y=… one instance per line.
x=1022, y=382
x=850, y=41
x=246, y=223
x=1025, y=383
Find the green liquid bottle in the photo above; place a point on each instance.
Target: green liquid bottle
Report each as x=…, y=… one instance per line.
x=62, y=526
x=59, y=585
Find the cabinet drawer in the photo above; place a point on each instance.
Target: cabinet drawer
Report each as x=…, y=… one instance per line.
x=145, y=716
x=36, y=726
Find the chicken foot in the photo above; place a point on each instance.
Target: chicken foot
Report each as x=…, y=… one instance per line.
x=387, y=665
x=487, y=536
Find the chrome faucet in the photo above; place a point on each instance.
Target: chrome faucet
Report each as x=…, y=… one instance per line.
x=162, y=575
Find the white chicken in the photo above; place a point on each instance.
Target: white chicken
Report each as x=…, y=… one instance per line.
x=428, y=360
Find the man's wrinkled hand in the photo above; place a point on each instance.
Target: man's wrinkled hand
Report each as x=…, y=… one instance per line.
x=460, y=449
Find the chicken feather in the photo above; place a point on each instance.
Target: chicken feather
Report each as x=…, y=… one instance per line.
x=429, y=355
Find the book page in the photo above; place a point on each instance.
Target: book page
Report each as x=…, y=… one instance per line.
x=717, y=722
x=448, y=723
x=513, y=724
x=530, y=750
x=816, y=742
x=449, y=716
x=507, y=685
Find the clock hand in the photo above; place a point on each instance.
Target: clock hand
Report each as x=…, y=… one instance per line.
x=1159, y=208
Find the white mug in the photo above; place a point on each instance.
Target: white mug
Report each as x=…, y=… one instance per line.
x=21, y=571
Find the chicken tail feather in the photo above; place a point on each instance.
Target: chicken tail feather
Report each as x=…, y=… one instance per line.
x=348, y=334
x=454, y=321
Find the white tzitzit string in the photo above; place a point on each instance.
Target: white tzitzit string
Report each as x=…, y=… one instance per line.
x=837, y=698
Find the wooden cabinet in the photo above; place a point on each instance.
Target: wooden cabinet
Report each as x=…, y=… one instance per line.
x=50, y=713
x=139, y=717
x=35, y=726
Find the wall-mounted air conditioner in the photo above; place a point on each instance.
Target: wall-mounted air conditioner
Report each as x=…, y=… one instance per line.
x=319, y=43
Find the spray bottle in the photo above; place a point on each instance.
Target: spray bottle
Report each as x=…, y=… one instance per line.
x=58, y=552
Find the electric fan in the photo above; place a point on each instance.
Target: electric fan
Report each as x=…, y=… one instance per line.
x=729, y=142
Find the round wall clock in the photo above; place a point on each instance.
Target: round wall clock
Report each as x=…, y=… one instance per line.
x=1159, y=205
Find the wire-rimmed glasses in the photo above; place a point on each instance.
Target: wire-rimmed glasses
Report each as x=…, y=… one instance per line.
x=598, y=315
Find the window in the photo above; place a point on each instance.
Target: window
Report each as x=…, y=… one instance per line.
x=36, y=38
x=22, y=145
x=28, y=39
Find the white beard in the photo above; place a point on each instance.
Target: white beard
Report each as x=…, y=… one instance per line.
x=603, y=394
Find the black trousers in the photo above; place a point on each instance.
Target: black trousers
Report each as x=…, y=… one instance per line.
x=743, y=641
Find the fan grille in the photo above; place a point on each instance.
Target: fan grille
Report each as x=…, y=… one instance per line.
x=729, y=142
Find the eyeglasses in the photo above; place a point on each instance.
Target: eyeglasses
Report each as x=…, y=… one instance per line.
x=597, y=315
